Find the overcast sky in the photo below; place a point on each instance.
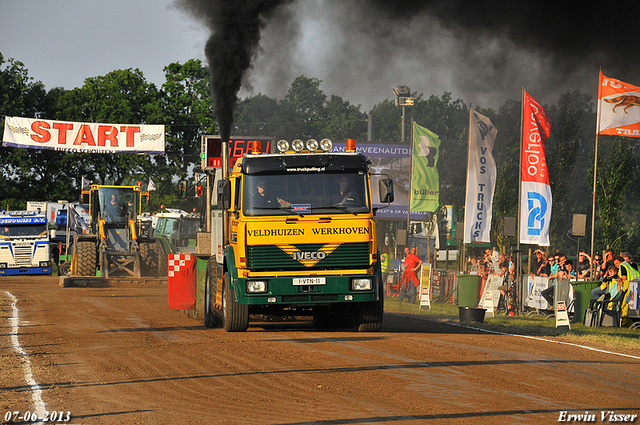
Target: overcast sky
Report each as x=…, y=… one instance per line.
x=62, y=42
x=358, y=51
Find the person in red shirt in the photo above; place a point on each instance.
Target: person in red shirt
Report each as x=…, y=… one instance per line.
x=410, y=281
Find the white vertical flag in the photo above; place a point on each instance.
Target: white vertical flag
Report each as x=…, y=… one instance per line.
x=481, y=179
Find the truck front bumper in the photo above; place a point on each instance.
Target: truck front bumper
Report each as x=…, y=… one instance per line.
x=24, y=270
x=308, y=290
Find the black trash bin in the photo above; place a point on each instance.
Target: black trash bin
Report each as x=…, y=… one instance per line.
x=471, y=314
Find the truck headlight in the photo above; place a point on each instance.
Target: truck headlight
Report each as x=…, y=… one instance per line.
x=256, y=286
x=283, y=146
x=312, y=145
x=326, y=145
x=3, y=265
x=361, y=284
x=297, y=145
x=45, y=263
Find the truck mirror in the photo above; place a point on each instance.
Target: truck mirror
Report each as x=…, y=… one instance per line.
x=385, y=188
x=224, y=193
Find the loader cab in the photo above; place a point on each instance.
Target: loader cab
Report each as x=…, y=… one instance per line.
x=115, y=205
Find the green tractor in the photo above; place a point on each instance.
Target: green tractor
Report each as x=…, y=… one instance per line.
x=176, y=230
x=115, y=244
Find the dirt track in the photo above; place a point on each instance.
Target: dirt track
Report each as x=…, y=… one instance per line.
x=120, y=356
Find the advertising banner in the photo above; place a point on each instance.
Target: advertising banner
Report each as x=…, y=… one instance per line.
x=618, y=108
x=481, y=179
x=83, y=137
x=425, y=181
x=535, y=203
x=392, y=160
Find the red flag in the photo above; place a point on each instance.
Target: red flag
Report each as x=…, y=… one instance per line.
x=618, y=108
x=535, y=203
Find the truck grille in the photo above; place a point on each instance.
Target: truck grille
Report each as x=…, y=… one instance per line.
x=273, y=258
x=23, y=254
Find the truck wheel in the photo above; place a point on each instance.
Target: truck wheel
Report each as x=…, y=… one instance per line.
x=369, y=315
x=154, y=260
x=234, y=314
x=64, y=269
x=163, y=260
x=210, y=317
x=148, y=259
x=86, y=251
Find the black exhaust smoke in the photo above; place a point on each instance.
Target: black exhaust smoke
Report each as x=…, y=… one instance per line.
x=235, y=35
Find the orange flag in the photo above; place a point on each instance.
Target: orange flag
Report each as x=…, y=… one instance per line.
x=618, y=108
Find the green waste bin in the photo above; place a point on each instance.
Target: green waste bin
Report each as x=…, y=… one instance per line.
x=468, y=290
x=581, y=297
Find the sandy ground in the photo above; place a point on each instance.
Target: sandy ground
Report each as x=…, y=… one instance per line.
x=118, y=355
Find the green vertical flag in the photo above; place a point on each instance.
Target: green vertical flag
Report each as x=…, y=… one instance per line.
x=425, y=182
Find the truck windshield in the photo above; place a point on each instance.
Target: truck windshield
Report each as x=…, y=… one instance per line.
x=117, y=205
x=23, y=231
x=305, y=193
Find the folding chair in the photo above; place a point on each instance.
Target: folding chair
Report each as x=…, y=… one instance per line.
x=612, y=315
x=594, y=310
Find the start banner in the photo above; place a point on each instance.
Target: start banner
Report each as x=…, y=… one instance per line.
x=83, y=137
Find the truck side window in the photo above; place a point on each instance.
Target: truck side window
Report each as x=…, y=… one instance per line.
x=238, y=194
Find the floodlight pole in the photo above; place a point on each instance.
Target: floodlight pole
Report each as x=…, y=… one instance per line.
x=403, y=108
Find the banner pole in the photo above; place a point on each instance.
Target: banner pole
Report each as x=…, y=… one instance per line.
x=466, y=194
x=595, y=171
x=411, y=183
x=519, y=278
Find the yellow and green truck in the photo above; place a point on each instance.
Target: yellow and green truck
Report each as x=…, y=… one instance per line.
x=297, y=238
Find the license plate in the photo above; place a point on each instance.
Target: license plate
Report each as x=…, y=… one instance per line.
x=298, y=281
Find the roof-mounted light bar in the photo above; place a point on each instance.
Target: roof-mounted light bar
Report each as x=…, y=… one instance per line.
x=298, y=146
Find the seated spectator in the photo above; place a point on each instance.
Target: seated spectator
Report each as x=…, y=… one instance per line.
x=569, y=273
x=538, y=262
x=583, y=268
x=607, y=262
x=474, y=265
x=554, y=274
x=597, y=264
x=545, y=267
x=561, y=259
x=603, y=289
x=626, y=274
x=627, y=257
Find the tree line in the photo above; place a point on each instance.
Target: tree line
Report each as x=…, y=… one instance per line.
x=185, y=106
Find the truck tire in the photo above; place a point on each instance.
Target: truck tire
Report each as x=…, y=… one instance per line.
x=234, y=315
x=86, y=260
x=64, y=269
x=369, y=315
x=211, y=318
x=163, y=260
x=153, y=259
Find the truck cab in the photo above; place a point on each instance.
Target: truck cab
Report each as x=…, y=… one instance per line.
x=300, y=239
x=24, y=243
